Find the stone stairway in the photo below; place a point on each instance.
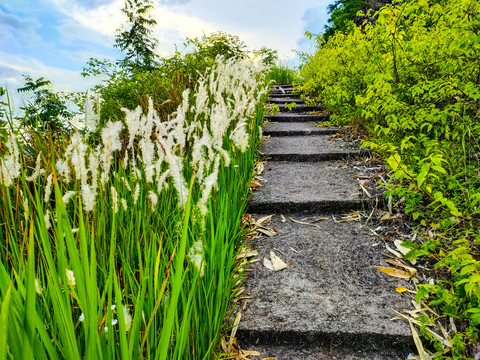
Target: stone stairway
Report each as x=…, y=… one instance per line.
x=329, y=303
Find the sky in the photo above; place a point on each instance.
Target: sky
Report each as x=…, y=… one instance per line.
x=55, y=38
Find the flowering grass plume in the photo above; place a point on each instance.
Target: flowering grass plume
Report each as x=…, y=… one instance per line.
x=117, y=219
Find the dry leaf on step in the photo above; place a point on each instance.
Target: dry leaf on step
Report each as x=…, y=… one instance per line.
x=404, y=250
x=302, y=222
x=389, y=216
x=250, y=353
x=268, y=232
x=409, y=269
x=395, y=272
x=394, y=252
x=275, y=263
x=263, y=221
x=418, y=343
x=246, y=253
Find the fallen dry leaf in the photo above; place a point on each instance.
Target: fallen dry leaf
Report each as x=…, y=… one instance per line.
x=365, y=190
x=404, y=250
x=302, y=222
x=246, y=253
x=268, y=232
x=282, y=218
x=264, y=220
x=418, y=343
x=394, y=252
x=411, y=270
x=275, y=263
x=236, y=322
x=250, y=353
x=395, y=272
x=388, y=216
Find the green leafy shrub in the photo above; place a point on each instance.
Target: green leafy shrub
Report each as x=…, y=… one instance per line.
x=412, y=79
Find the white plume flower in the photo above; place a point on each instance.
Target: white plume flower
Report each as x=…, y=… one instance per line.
x=111, y=143
x=36, y=171
x=240, y=137
x=46, y=218
x=153, y=199
x=196, y=256
x=10, y=164
x=127, y=317
x=48, y=189
x=38, y=288
x=114, y=199
x=88, y=197
x=70, y=277
x=136, y=194
x=67, y=196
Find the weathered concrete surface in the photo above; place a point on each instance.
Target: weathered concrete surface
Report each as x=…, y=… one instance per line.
x=308, y=148
x=299, y=108
x=283, y=100
x=329, y=294
x=280, y=95
x=330, y=303
x=297, y=128
x=307, y=187
x=296, y=117
x=301, y=351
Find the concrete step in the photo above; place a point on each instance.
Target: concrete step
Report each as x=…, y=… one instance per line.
x=306, y=351
x=329, y=299
x=283, y=95
x=283, y=100
x=327, y=186
x=299, y=108
x=289, y=85
x=295, y=117
x=297, y=128
x=308, y=148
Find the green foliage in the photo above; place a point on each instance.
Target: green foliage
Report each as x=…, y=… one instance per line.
x=268, y=56
x=48, y=109
x=219, y=43
x=283, y=74
x=342, y=13
x=138, y=293
x=135, y=38
x=412, y=79
x=165, y=80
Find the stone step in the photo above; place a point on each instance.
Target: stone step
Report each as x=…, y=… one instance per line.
x=306, y=351
x=289, y=85
x=297, y=128
x=329, y=296
x=283, y=100
x=308, y=148
x=282, y=95
x=299, y=108
x=327, y=186
x=296, y=117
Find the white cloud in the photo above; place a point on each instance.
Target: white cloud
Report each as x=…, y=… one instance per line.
x=17, y=29
x=13, y=66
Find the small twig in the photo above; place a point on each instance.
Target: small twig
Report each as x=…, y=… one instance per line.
x=373, y=211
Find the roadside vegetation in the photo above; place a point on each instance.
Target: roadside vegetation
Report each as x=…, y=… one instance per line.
x=121, y=224
x=410, y=77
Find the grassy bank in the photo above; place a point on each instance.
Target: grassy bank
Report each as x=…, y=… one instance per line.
x=124, y=246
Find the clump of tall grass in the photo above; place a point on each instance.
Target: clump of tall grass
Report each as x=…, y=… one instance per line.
x=126, y=249
x=283, y=74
